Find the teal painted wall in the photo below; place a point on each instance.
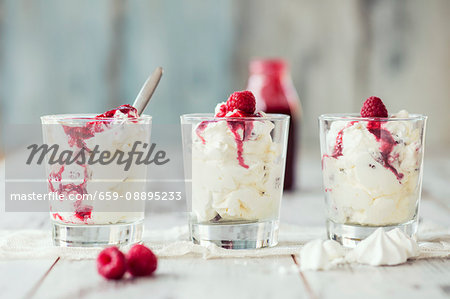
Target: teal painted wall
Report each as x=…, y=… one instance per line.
x=90, y=55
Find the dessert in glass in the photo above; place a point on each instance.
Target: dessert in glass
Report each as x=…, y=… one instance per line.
x=95, y=206
x=234, y=168
x=372, y=171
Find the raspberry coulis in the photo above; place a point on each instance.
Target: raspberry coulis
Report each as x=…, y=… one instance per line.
x=247, y=128
x=82, y=212
x=373, y=108
x=387, y=144
x=200, y=128
x=383, y=136
x=57, y=216
x=234, y=125
x=77, y=137
x=337, y=152
x=240, y=105
x=126, y=109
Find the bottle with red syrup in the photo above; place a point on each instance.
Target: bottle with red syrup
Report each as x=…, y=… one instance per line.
x=271, y=83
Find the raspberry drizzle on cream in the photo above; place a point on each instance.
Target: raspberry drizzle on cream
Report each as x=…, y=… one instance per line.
x=240, y=105
x=387, y=143
x=337, y=152
x=373, y=107
x=76, y=138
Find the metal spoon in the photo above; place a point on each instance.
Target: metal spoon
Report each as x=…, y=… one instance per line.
x=147, y=90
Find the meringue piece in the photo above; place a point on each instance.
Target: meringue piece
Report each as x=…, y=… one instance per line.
x=382, y=248
x=320, y=255
x=410, y=245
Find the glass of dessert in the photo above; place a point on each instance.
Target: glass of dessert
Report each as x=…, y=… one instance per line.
x=234, y=169
x=95, y=177
x=372, y=171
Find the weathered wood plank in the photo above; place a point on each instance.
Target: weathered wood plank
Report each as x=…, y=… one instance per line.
x=415, y=279
x=181, y=278
x=18, y=278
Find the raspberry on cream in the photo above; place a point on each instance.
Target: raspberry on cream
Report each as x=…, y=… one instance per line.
x=372, y=166
x=374, y=107
x=236, y=169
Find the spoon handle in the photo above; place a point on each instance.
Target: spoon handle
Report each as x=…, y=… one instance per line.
x=147, y=90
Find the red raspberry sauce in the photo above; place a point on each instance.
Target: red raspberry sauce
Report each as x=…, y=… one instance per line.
x=77, y=137
x=383, y=136
x=387, y=144
x=234, y=125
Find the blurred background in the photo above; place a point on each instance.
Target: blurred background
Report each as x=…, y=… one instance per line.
x=90, y=56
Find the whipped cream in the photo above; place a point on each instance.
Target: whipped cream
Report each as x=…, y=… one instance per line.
x=371, y=174
x=384, y=248
x=118, y=133
x=321, y=255
x=236, y=170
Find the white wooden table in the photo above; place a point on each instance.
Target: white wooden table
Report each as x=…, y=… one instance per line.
x=270, y=277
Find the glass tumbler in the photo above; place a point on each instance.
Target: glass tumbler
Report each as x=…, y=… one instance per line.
x=93, y=171
x=234, y=171
x=372, y=174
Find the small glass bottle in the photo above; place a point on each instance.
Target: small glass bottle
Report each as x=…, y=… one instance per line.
x=271, y=83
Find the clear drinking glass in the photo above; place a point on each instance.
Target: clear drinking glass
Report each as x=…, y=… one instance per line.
x=372, y=174
x=234, y=169
x=95, y=204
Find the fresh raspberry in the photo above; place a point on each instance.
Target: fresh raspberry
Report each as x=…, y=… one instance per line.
x=373, y=107
x=141, y=261
x=242, y=100
x=111, y=263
